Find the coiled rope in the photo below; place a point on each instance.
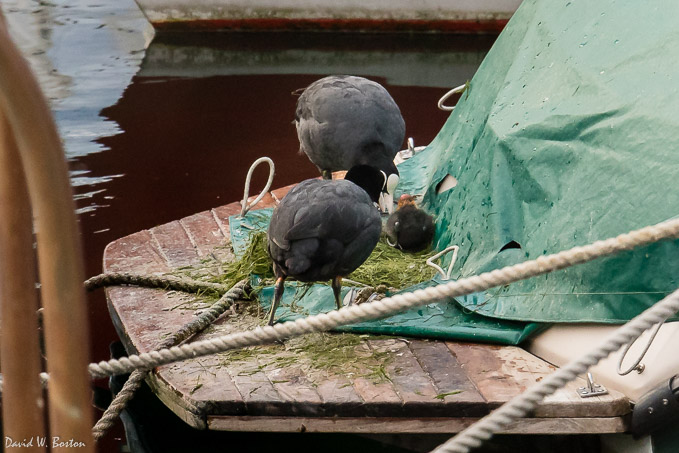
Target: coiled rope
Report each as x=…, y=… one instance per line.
x=391, y=305
x=185, y=332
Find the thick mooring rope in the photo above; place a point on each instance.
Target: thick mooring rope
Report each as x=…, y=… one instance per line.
x=188, y=330
x=521, y=405
x=153, y=281
x=391, y=305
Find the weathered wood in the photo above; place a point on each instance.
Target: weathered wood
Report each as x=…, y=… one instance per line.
x=401, y=425
x=425, y=386
x=279, y=194
x=205, y=235
x=256, y=390
x=174, y=244
x=502, y=372
x=379, y=394
x=412, y=384
x=134, y=253
x=451, y=381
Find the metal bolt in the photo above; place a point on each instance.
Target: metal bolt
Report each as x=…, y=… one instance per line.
x=665, y=401
x=640, y=368
x=650, y=410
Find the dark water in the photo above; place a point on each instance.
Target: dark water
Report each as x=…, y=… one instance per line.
x=188, y=137
x=203, y=108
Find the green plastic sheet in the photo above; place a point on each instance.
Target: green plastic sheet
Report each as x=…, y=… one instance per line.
x=443, y=320
x=568, y=134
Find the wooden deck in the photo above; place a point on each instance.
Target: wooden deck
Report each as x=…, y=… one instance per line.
x=387, y=385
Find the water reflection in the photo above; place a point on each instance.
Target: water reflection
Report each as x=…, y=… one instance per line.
x=406, y=60
x=202, y=108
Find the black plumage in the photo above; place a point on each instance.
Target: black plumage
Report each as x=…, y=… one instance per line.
x=324, y=230
x=343, y=121
x=410, y=228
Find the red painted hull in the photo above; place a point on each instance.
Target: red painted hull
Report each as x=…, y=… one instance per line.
x=322, y=24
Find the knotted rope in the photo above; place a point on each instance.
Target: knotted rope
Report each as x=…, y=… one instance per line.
x=185, y=332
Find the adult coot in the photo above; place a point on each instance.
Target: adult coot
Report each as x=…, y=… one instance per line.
x=343, y=121
x=410, y=228
x=323, y=230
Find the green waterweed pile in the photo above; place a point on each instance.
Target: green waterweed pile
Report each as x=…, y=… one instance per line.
x=386, y=266
x=318, y=354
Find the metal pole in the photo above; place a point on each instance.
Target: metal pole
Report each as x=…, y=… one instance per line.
x=23, y=407
x=59, y=250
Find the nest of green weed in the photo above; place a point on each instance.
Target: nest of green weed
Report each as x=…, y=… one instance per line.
x=386, y=265
x=319, y=354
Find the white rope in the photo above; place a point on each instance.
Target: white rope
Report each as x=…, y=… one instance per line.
x=245, y=206
x=444, y=98
x=44, y=379
x=521, y=405
x=444, y=275
x=391, y=305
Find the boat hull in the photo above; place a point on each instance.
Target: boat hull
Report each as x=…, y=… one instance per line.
x=375, y=15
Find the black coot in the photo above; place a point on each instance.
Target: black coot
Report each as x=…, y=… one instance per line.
x=343, y=121
x=324, y=230
x=410, y=228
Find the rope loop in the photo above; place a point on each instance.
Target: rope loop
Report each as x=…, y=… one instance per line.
x=444, y=98
x=637, y=365
x=444, y=275
x=245, y=206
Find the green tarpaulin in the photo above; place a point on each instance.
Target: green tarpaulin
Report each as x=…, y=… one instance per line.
x=444, y=319
x=568, y=134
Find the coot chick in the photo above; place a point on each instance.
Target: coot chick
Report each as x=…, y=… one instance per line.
x=343, y=121
x=324, y=230
x=410, y=228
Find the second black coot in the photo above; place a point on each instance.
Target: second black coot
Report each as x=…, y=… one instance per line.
x=324, y=230
x=343, y=121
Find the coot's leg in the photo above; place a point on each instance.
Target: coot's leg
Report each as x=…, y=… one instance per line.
x=336, y=288
x=327, y=174
x=277, y=293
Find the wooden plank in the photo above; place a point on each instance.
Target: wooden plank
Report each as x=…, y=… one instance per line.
x=375, y=425
x=256, y=390
x=528, y=369
x=141, y=315
x=410, y=381
x=174, y=245
x=205, y=235
x=134, y=253
x=279, y=194
x=339, y=396
x=449, y=377
x=484, y=369
x=502, y=372
x=379, y=395
x=293, y=386
x=182, y=408
x=204, y=384
x=222, y=214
